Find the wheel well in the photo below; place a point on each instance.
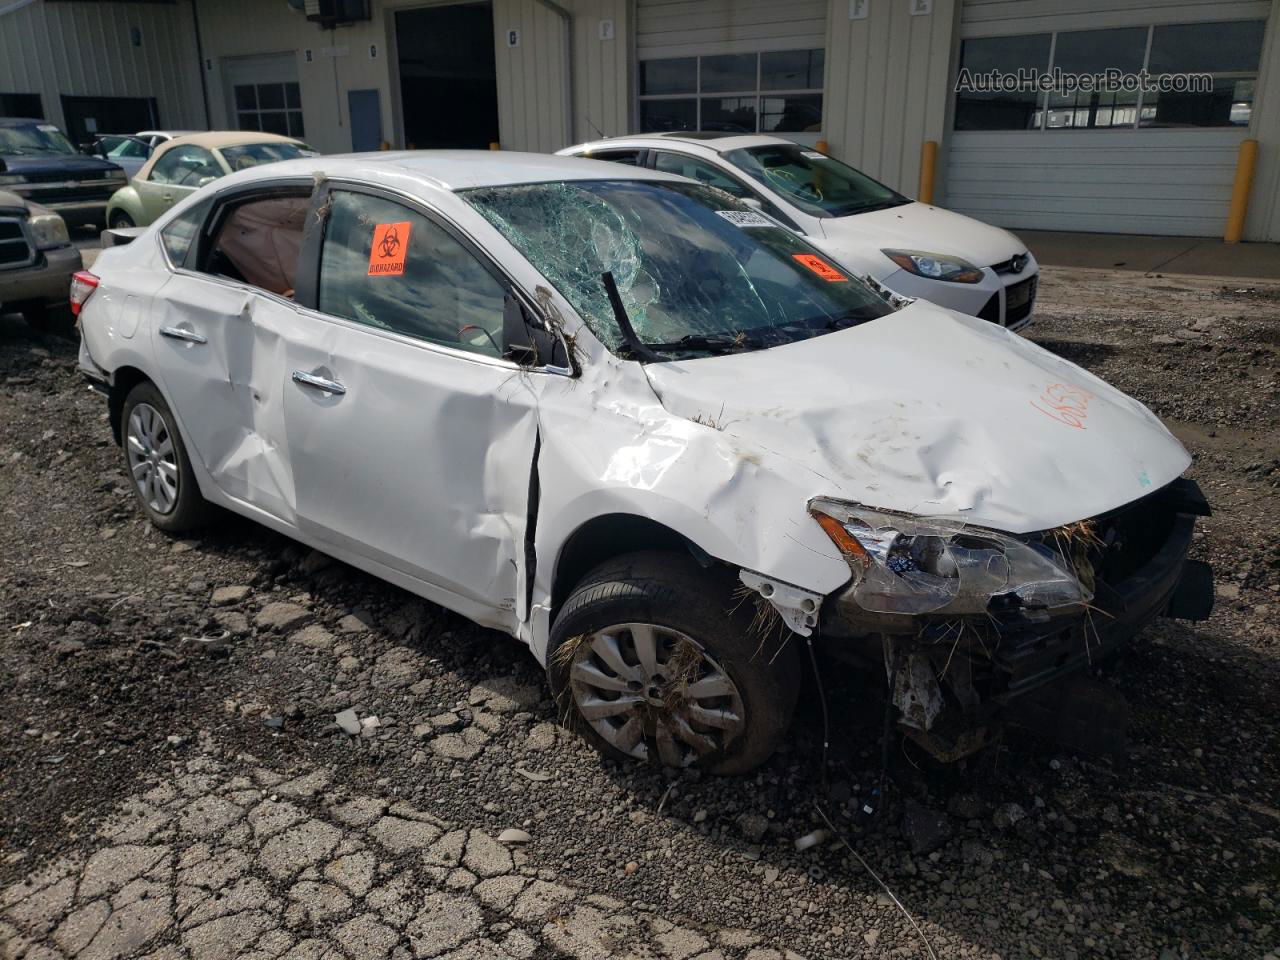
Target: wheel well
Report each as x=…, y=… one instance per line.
x=603, y=538
x=124, y=380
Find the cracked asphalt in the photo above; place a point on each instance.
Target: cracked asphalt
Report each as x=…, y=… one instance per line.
x=230, y=746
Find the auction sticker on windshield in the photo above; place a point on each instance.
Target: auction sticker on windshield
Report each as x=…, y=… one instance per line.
x=390, y=246
x=819, y=266
x=745, y=218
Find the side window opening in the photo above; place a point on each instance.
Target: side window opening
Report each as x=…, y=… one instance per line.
x=629, y=157
x=179, y=233
x=257, y=241
x=701, y=171
x=387, y=266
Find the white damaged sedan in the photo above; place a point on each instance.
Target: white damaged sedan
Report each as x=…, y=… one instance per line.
x=630, y=421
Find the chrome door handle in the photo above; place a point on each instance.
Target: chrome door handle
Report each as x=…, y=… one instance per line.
x=177, y=333
x=319, y=383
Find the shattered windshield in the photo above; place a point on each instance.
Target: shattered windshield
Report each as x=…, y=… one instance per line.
x=35, y=139
x=814, y=182
x=697, y=271
x=255, y=154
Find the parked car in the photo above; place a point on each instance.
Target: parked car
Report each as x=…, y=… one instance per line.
x=131, y=150
x=37, y=261
x=913, y=249
x=184, y=164
x=644, y=429
x=38, y=163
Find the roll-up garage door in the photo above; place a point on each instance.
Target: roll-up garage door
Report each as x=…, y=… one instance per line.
x=674, y=28
x=733, y=66
x=1154, y=162
x=262, y=93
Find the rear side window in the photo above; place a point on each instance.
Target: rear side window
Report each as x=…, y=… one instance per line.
x=387, y=266
x=630, y=157
x=186, y=166
x=698, y=170
x=258, y=242
x=179, y=232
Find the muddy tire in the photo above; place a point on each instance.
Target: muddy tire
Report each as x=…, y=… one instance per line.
x=156, y=463
x=653, y=657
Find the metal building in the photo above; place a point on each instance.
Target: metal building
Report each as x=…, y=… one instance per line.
x=874, y=79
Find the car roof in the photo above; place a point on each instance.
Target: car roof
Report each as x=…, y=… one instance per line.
x=712, y=140
x=167, y=133
x=453, y=169
x=216, y=139
x=229, y=138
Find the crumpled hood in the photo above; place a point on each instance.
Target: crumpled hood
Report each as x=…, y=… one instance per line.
x=929, y=412
x=920, y=226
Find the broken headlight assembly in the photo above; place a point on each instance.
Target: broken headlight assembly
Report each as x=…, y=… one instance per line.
x=913, y=565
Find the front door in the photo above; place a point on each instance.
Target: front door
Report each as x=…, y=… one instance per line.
x=411, y=439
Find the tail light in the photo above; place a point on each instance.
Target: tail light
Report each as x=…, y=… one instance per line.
x=83, y=283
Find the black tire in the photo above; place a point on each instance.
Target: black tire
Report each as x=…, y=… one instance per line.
x=189, y=510
x=672, y=591
x=121, y=220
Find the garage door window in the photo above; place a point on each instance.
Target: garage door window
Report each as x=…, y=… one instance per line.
x=774, y=92
x=270, y=107
x=1227, y=54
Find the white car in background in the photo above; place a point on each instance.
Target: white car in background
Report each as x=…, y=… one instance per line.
x=130, y=151
x=619, y=415
x=913, y=249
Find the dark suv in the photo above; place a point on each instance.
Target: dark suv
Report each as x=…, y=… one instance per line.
x=38, y=163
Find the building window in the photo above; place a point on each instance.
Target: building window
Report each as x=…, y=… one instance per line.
x=270, y=107
x=1228, y=52
x=774, y=92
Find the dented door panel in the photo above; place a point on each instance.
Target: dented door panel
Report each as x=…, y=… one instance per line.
x=421, y=463
x=219, y=347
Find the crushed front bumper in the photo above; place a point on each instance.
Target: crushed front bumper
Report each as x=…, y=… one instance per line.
x=952, y=679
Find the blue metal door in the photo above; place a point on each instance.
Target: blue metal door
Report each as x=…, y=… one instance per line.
x=366, y=120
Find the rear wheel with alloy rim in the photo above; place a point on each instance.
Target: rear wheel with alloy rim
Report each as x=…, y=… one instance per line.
x=651, y=663
x=157, y=464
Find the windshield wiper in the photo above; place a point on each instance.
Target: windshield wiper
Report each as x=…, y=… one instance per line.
x=869, y=208
x=726, y=342
x=638, y=348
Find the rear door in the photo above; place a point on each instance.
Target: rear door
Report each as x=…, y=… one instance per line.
x=220, y=324
x=411, y=438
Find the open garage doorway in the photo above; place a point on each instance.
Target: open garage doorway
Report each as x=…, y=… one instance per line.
x=448, y=79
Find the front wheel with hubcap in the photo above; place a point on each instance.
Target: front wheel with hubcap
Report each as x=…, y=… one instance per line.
x=652, y=662
x=156, y=461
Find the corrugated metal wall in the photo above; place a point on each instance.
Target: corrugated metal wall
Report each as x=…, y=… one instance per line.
x=602, y=69
x=86, y=49
x=888, y=86
x=675, y=28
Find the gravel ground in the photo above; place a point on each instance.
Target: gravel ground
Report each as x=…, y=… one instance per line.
x=173, y=782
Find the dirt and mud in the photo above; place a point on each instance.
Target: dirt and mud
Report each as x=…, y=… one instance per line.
x=173, y=782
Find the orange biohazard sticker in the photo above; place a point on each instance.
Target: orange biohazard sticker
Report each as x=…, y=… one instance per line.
x=819, y=266
x=390, y=245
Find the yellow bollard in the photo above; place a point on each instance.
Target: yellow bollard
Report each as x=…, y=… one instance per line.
x=493, y=145
x=928, y=170
x=1239, y=209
